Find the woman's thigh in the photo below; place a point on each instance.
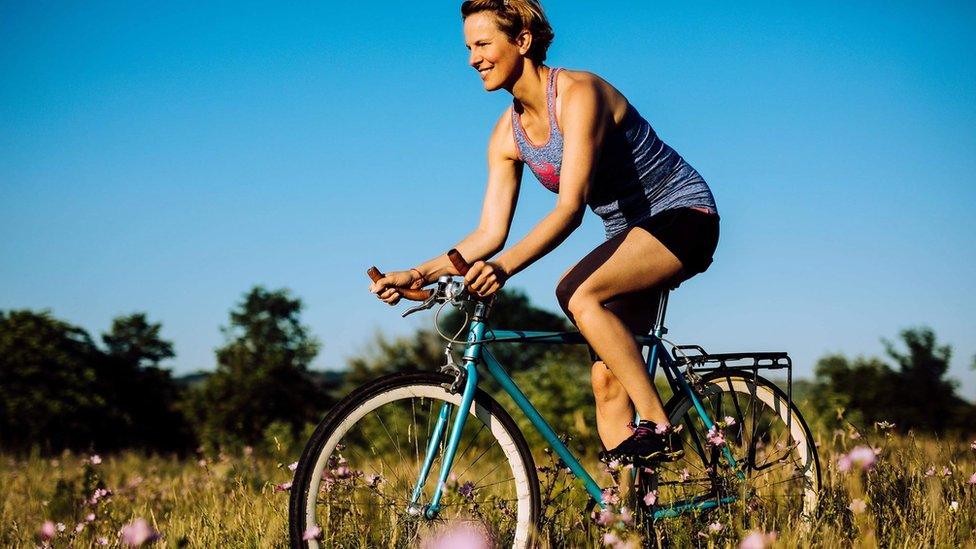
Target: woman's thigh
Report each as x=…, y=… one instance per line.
x=627, y=270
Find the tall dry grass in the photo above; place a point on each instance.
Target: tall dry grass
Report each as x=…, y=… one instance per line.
x=919, y=492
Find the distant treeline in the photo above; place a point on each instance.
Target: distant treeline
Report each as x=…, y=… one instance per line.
x=60, y=389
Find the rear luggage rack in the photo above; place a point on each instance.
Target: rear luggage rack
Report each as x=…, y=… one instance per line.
x=700, y=360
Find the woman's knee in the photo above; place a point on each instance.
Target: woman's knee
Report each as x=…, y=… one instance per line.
x=564, y=292
x=606, y=387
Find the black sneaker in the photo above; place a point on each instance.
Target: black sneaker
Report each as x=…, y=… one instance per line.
x=648, y=444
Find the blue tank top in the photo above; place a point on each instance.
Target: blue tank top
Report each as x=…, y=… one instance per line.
x=637, y=175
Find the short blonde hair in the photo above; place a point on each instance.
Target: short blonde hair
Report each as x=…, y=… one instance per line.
x=514, y=16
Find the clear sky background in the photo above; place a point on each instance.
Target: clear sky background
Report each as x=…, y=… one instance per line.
x=167, y=157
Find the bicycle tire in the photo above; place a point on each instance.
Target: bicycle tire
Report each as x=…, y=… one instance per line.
x=675, y=483
x=397, y=389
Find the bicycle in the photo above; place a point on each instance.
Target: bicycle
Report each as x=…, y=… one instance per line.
x=364, y=477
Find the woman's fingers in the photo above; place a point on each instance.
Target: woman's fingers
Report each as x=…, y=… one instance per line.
x=473, y=273
x=392, y=298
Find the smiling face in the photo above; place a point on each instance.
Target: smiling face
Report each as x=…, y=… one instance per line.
x=493, y=55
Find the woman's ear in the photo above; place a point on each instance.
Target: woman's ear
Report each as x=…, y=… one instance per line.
x=524, y=42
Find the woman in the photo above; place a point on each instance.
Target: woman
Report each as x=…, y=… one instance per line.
x=584, y=141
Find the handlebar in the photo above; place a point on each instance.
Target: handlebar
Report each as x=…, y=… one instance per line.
x=416, y=294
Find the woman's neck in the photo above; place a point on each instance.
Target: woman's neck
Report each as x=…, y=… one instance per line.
x=530, y=88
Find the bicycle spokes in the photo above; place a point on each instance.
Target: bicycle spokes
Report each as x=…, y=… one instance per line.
x=370, y=483
x=752, y=455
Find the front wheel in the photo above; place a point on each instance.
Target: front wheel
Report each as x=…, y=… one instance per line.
x=354, y=482
x=760, y=456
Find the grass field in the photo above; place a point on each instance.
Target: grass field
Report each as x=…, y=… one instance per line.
x=919, y=492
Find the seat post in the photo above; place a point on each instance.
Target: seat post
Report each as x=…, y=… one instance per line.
x=662, y=308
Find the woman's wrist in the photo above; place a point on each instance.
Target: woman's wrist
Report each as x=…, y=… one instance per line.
x=420, y=275
x=504, y=266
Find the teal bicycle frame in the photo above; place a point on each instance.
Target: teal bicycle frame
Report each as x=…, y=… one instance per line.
x=475, y=352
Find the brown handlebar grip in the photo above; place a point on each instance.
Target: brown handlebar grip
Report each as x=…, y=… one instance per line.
x=409, y=293
x=458, y=261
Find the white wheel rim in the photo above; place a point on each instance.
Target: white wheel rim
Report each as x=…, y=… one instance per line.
x=779, y=405
x=505, y=441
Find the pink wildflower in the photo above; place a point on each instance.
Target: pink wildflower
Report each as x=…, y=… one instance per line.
x=90, y=517
x=312, y=532
x=863, y=457
x=758, y=540
x=79, y=527
x=98, y=494
x=202, y=462
x=610, y=496
x=283, y=487
x=373, y=480
x=611, y=539
x=729, y=421
x=138, y=532
x=685, y=475
x=650, y=498
x=463, y=535
x=293, y=466
x=95, y=459
x=930, y=472
x=605, y=517
x=857, y=506
x=101, y=541
x=342, y=469
x=973, y=446
x=715, y=527
x=60, y=527
x=48, y=531
x=946, y=472
x=972, y=479
x=715, y=436
x=626, y=516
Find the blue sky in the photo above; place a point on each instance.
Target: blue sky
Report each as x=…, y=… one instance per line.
x=166, y=158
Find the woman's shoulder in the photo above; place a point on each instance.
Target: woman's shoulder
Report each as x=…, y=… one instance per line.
x=571, y=81
x=502, y=138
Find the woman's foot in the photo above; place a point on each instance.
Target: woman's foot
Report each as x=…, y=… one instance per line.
x=649, y=443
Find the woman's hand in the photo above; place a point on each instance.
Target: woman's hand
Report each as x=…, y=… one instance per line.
x=484, y=278
x=385, y=288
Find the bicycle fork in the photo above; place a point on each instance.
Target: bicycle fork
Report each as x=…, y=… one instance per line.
x=467, y=397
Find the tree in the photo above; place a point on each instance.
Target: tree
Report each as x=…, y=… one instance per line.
x=133, y=339
x=928, y=400
x=49, y=395
x=145, y=394
x=915, y=395
x=262, y=372
x=865, y=388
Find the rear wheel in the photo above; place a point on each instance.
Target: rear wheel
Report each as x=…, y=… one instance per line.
x=776, y=476
x=358, y=471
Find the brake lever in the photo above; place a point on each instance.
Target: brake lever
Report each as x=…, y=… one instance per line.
x=427, y=304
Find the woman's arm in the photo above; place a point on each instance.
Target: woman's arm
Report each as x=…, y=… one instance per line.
x=498, y=208
x=585, y=120
x=497, y=211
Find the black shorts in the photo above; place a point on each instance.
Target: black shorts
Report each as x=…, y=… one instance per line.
x=690, y=234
